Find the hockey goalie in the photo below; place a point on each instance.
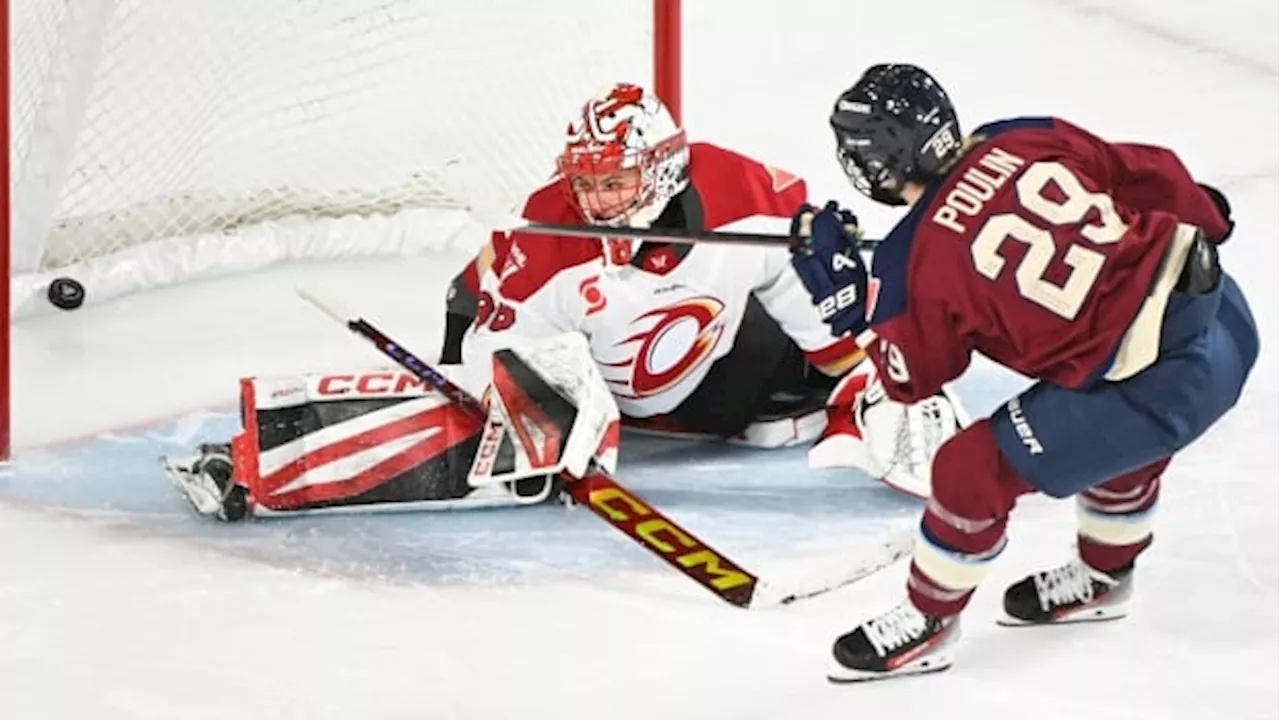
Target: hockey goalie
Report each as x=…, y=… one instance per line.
x=703, y=340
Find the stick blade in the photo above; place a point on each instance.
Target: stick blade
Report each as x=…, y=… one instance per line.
x=823, y=575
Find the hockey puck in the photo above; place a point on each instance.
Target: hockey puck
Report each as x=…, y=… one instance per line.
x=66, y=293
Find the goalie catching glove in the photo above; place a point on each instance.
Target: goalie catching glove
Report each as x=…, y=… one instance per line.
x=382, y=440
x=890, y=441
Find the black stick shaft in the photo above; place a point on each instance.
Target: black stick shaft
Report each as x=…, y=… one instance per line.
x=673, y=235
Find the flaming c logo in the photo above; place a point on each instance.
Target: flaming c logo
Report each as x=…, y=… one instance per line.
x=681, y=337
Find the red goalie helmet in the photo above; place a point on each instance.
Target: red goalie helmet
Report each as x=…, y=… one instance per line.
x=624, y=159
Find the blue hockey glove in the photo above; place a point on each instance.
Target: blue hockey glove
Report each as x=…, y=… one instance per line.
x=824, y=253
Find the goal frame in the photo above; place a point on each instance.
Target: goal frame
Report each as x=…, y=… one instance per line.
x=667, y=72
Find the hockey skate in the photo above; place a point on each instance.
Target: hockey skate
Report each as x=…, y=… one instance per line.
x=902, y=641
x=205, y=481
x=1073, y=592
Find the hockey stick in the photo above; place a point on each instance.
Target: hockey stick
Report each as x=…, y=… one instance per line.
x=400, y=355
x=706, y=566
x=670, y=235
x=486, y=211
x=637, y=519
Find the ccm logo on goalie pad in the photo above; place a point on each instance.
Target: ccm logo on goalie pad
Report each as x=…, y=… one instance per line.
x=843, y=298
x=375, y=383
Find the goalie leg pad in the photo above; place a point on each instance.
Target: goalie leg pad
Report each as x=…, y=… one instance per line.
x=803, y=426
x=364, y=438
x=344, y=443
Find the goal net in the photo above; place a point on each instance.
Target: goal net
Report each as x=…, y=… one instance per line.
x=154, y=140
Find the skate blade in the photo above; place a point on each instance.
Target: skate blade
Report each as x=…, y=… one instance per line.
x=1101, y=613
x=841, y=675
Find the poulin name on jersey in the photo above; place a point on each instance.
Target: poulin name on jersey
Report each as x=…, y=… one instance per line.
x=978, y=185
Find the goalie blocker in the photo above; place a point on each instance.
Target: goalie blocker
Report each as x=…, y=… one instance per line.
x=383, y=440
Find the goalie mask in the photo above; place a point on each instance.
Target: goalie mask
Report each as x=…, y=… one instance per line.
x=624, y=159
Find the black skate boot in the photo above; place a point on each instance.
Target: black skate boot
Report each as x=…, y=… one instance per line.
x=1073, y=592
x=206, y=481
x=903, y=641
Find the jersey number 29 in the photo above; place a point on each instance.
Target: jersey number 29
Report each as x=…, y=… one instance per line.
x=1085, y=262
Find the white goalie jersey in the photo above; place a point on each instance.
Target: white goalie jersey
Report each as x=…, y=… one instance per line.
x=655, y=326
x=654, y=331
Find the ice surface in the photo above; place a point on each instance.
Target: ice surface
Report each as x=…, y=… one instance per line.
x=116, y=603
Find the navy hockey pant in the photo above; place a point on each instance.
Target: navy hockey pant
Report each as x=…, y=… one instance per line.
x=1066, y=441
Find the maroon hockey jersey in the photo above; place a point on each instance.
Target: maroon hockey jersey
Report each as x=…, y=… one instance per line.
x=1037, y=250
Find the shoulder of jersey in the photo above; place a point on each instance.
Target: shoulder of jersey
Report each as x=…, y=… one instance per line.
x=1032, y=134
x=733, y=186
x=533, y=261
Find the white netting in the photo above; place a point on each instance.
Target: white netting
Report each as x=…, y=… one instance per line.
x=140, y=121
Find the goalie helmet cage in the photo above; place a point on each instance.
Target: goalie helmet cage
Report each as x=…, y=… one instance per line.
x=202, y=136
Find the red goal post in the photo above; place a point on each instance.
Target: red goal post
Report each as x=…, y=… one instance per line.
x=201, y=136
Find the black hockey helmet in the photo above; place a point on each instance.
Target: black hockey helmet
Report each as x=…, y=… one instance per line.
x=894, y=125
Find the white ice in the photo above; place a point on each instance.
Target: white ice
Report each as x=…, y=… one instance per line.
x=115, y=603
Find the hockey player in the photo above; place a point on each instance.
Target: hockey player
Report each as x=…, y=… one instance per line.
x=705, y=340
x=1089, y=266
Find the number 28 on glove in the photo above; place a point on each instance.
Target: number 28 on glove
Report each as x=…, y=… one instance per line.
x=824, y=253
x=845, y=297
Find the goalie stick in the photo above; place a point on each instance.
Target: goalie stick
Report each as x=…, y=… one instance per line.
x=642, y=522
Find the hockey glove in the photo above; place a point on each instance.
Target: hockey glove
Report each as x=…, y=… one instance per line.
x=825, y=255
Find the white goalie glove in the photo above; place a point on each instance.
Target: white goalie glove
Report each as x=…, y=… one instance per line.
x=890, y=441
x=550, y=412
